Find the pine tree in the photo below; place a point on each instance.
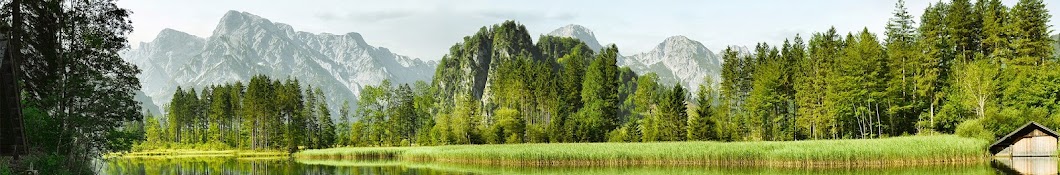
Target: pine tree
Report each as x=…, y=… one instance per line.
x=153, y=129
x=219, y=104
x=326, y=127
x=573, y=74
x=963, y=27
x=404, y=113
x=701, y=126
x=902, y=59
x=673, y=116
x=342, y=130
x=863, y=82
x=1030, y=34
x=764, y=100
x=814, y=96
x=995, y=36
x=933, y=64
x=600, y=96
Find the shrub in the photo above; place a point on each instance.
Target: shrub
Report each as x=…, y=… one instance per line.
x=974, y=128
x=5, y=169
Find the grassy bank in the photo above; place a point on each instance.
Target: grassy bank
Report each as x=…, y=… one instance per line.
x=363, y=167
x=191, y=153
x=911, y=150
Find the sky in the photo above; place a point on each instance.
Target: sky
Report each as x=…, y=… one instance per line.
x=427, y=28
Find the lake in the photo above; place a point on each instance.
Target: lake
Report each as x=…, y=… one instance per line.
x=194, y=166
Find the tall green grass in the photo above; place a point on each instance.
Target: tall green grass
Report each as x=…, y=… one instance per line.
x=859, y=152
x=449, y=168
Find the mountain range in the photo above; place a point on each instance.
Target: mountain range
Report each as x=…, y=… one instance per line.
x=243, y=45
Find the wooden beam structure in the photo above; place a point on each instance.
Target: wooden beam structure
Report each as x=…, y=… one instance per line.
x=12, y=133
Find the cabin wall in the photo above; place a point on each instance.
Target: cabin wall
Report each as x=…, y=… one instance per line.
x=1034, y=144
x=1007, y=152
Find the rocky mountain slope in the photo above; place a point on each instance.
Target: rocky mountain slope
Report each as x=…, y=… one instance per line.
x=243, y=45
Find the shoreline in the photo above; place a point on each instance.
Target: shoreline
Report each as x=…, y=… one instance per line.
x=196, y=153
x=885, y=152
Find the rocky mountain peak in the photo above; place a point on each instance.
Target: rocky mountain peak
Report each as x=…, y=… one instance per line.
x=171, y=34
x=679, y=40
x=681, y=45
x=171, y=38
x=234, y=21
x=578, y=32
x=675, y=47
x=678, y=59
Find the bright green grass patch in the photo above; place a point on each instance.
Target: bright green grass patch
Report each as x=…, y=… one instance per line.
x=860, y=152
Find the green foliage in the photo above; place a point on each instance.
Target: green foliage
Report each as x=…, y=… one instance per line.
x=903, y=63
x=702, y=125
x=358, y=132
x=5, y=169
x=1031, y=44
x=51, y=163
x=600, y=96
x=441, y=133
x=74, y=110
x=512, y=127
x=267, y=114
x=962, y=62
x=326, y=126
x=974, y=128
x=342, y=129
x=154, y=132
x=673, y=118
x=465, y=123
x=628, y=132
x=646, y=96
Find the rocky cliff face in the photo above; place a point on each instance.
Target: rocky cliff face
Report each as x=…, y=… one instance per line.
x=243, y=45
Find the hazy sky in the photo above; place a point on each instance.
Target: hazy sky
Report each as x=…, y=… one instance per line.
x=427, y=28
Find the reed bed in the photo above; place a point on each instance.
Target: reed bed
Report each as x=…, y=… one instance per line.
x=895, y=151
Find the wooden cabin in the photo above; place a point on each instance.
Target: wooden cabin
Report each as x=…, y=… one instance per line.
x=1030, y=140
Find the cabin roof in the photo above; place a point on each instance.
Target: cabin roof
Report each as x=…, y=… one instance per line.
x=1023, y=130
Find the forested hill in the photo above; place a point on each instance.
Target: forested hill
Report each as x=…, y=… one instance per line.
x=975, y=69
x=500, y=68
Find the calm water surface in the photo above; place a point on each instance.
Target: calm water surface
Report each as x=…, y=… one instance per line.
x=194, y=166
